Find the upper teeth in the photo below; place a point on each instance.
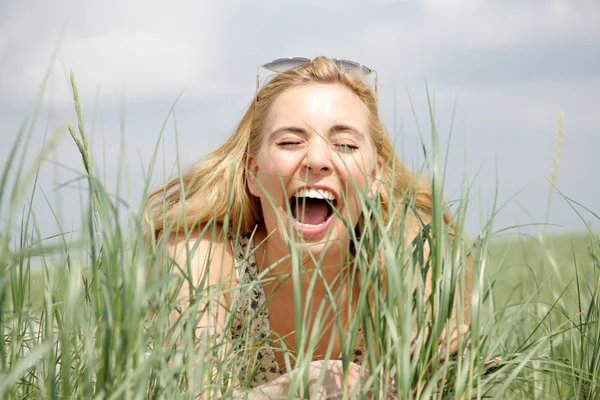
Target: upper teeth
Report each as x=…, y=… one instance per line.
x=315, y=194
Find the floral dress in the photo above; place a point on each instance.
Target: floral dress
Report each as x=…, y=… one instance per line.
x=252, y=319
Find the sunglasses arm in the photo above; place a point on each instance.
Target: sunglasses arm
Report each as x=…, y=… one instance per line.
x=258, y=77
x=376, y=86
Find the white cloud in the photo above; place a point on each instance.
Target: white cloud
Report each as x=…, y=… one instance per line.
x=143, y=49
x=485, y=23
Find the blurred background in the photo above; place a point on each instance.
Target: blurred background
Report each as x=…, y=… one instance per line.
x=499, y=75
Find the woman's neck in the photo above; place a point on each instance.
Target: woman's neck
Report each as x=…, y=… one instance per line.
x=275, y=257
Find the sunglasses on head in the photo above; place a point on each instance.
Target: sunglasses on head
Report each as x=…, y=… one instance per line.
x=285, y=64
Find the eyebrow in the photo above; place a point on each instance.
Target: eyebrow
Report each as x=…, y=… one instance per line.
x=302, y=131
x=341, y=127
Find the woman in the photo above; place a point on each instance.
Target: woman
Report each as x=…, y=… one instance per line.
x=289, y=193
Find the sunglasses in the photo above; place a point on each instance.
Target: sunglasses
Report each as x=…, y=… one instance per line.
x=286, y=64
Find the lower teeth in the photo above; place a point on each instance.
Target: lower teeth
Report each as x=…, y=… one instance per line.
x=311, y=225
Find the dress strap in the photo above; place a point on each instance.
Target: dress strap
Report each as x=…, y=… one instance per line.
x=245, y=263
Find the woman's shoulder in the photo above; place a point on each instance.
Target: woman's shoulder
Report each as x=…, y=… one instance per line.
x=205, y=248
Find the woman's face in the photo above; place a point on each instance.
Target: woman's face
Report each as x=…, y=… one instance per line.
x=315, y=144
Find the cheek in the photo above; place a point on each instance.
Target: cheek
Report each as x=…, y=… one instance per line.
x=357, y=173
x=274, y=171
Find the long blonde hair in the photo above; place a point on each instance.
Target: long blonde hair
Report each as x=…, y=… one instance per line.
x=215, y=190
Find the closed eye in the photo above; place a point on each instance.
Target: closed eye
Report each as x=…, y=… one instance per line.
x=345, y=147
x=288, y=144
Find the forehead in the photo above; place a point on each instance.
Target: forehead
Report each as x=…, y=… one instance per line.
x=318, y=106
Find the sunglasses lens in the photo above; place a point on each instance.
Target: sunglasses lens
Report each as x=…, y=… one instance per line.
x=285, y=64
x=352, y=67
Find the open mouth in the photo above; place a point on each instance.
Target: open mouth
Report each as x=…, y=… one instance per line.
x=312, y=207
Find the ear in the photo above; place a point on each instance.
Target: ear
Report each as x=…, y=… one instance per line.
x=376, y=177
x=251, y=176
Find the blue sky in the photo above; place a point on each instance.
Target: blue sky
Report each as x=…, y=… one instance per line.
x=501, y=74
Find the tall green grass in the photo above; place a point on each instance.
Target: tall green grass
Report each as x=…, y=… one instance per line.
x=93, y=320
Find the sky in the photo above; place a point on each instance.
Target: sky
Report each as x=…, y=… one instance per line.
x=499, y=75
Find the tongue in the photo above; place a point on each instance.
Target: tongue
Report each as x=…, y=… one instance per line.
x=314, y=213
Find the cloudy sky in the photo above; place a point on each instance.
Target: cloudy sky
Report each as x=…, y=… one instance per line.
x=500, y=74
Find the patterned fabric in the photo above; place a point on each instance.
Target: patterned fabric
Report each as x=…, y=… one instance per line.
x=252, y=319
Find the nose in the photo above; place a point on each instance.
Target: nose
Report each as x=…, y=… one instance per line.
x=318, y=157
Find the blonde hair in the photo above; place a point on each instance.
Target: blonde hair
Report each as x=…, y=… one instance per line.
x=215, y=191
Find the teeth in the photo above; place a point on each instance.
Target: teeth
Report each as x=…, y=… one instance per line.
x=311, y=225
x=315, y=194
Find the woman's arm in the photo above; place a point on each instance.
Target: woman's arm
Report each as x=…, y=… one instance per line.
x=326, y=380
x=205, y=261
x=212, y=261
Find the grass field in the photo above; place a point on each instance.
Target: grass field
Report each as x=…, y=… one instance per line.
x=536, y=305
x=550, y=263
x=517, y=264
x=91, y=319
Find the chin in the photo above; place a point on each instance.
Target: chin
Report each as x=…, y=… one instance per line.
x=318, y=240
x=331, y=235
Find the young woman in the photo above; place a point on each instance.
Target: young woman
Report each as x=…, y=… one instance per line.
x=287, y=193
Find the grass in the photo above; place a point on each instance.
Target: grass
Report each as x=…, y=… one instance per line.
x=546, y=261
x=92, y=319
